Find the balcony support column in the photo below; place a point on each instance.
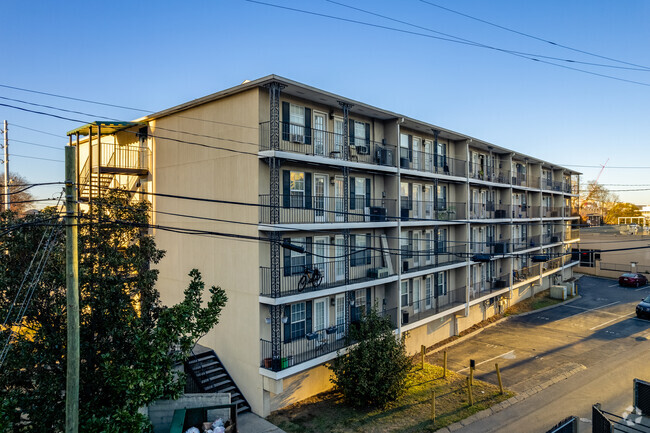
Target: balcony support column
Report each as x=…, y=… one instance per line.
x=99, y=160
x=436, y=132
x=274, y=218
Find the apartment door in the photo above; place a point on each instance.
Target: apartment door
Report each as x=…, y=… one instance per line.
x=338, y=198
x=339, y=268
x=320, y=198
x=482, y=207
x=320, y=128
x=321, y=250
x=417, y=295
x=428, y=155
x=416, y=153
x=339, y=311
x=417, y=201
x=428, y=194
x=321, y=320
x=427, y=292
x=338, y=137
x=416, y=249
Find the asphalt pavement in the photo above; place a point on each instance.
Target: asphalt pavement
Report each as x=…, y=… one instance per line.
x=588, y=351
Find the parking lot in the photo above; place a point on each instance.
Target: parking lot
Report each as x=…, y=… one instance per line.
x=595, y=332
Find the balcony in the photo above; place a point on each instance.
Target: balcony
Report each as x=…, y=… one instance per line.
x=525, y=211
x=523, y=274
x=519, y=244
x=442, y=255
x=363, y=268
x=301, y=209
x=428, y=306
x=484, y=288
x=434, y=211
x=572, y=234
x=313, y=344
x=547, y=184
x=313, y=142
x=552, y=212
x=430, y=163
x=489, y=174
x=551, y=238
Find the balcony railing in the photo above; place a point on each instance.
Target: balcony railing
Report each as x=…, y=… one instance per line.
x=314, y=142
x=440, y=255
x=430, y=163
x=301, y=209
x=524, y=211
x=433, y=304
x=552, y=212
x=312, y=345
x=116, y=157
x=558, y=185
x=519, y=244
x=519, y=179
x=427, y=210
x=482, y=288
x=362, y=268
x=572, y=234
x=489, y=174
x=547, y=184
x=526, y=273
x=551, y=238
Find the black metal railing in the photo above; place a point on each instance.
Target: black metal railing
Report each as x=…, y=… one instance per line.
x=572, y=234
x=301, y=209
x=430, y=163
x=363, y=267
x=552, y=212
x=518, y=179
x=483, y=288
x=439, y=255
x=519, y=244
x=314, y=344
x=429, y=305
x=547, y=184
x=120, y=157
x=314, y=142
x=558, y=185
x=526, y=273
x=478, y=210
x=521, y=211
x=435, y=211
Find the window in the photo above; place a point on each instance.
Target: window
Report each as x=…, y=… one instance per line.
x=297, y=186
x=297, y=123
x=442, y=197
x=405, y=188
x=359, y=251
x=404, y=293
x=298, y=316
x=404, y=148
x=359, y=193
x=416, y=249
x=360, y=140
x=298, y=260
x=338, y=136
x=441, y=288
x=441, y=246
x=360, y=298
x=427, y=292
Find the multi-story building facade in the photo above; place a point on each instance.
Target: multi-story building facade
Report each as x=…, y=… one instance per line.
x=436, y=229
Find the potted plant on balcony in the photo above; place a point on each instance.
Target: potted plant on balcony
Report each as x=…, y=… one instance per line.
x=331, y=330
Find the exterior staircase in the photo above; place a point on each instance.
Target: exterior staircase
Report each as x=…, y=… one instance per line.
x=207, y=374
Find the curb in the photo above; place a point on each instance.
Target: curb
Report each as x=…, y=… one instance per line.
x=509, y=402
x=503, y=319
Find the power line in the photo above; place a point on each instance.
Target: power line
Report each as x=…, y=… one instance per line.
x=534, y=37
x=535, y=59
x=37, y=130
x=531, y=56
x=36, y=157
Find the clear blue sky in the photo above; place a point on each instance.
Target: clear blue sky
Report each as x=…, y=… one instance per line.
x=154, y=55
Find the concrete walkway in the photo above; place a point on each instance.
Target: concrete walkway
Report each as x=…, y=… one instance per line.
x=251, y=423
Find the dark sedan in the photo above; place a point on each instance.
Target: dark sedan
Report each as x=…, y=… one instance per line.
x=633, y=280
x=643, y=309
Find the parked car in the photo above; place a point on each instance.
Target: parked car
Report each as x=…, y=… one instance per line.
x=633, y=280
x=643, y=309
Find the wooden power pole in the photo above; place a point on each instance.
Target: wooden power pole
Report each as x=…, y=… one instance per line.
x=5, y=132
x=72, y=292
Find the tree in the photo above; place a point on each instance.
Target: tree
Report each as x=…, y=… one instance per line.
x=595, y=199
x=20, y=198
x=374, y=371
x=130, y=343
x=621, y=210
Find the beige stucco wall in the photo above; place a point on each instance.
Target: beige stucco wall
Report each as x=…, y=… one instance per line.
x=191, y=170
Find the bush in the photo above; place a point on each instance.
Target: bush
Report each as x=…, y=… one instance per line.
x=374, y=371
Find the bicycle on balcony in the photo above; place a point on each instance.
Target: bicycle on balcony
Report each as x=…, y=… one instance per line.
x=310, y=276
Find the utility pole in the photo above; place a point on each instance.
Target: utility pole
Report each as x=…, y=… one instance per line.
x=72, y=292
x=6, y=164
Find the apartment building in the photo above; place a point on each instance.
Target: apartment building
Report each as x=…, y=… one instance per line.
x=435, y=229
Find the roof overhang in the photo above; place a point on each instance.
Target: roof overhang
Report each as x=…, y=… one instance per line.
x=106, y=127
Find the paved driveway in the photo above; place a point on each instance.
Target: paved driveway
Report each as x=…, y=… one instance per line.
x=595, y=332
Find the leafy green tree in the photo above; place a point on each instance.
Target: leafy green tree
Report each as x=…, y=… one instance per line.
x=374, y=371
x=621, y=210
x=130, y=343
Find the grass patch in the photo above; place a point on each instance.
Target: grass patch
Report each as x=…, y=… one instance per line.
x=327, y=412
x=540, y=300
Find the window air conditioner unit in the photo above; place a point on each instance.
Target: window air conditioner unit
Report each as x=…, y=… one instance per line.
x=378, y=273
x=297, y=138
